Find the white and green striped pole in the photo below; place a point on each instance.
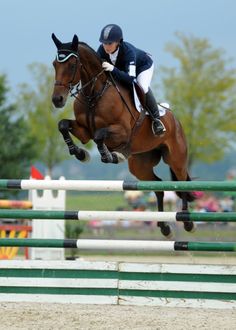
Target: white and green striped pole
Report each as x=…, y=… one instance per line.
x=120, y=245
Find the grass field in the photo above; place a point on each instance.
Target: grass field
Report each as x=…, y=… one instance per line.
x=100, y=201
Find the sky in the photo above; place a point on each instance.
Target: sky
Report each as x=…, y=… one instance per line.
x=26, y=27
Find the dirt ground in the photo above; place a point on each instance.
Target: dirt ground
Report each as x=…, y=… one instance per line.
x=32, y=316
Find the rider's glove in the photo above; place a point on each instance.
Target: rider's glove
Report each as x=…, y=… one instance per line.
x=107, y=66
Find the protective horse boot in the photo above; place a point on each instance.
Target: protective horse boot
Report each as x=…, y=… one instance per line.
x=151, y=106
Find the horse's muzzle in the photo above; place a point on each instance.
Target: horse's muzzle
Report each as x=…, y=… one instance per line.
x=58, y=101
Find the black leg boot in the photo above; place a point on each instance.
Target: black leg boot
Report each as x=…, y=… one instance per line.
x=152, y=108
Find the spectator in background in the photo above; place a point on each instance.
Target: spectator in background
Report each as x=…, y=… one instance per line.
x=226, y=204
x=170, y=201
x=207, y=203
x=231, y=176
x=134, y=198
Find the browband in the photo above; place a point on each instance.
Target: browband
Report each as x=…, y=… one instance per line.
x=64, y=54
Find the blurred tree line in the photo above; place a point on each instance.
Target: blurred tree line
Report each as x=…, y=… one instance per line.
x=201, y=89
x=17, y=148
x=202, y=92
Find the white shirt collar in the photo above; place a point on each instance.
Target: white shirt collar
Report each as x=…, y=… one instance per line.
x=113, y=56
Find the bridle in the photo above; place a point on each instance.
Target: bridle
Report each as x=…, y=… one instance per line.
x=76, y=88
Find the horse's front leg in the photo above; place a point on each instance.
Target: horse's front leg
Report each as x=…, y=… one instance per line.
x=109, y=133
x=65, y=127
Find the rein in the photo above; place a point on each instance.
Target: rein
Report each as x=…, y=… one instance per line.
x=78, y=89
x=121, y=96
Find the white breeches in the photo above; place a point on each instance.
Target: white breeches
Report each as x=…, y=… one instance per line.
x=144, y=78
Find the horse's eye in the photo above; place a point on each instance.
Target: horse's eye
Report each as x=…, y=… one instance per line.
x=72, y=67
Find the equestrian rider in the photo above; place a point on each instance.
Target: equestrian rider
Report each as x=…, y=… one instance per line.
x=128, y=64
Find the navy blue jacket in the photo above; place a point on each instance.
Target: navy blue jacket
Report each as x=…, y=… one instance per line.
x=128, y=55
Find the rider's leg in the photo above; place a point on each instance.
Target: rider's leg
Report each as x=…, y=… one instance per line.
x=152, y=108
x=144, y=80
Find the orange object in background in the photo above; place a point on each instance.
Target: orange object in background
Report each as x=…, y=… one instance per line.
x=15, y=204
x=12, y=231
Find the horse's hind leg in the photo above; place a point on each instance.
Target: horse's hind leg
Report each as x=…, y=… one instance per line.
x=141, y=166
x=186, y=198
x=164, y=227
x=65, y=127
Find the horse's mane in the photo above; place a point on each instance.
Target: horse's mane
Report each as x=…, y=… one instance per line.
x=83, y=44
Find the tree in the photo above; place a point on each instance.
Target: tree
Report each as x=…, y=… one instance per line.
x=35, y=102
x=18, y=149
x=202, y=92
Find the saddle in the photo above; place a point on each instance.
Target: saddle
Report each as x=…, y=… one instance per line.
x=140, y=94
x=139, y=99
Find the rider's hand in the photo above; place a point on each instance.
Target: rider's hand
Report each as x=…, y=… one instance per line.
x=107, y=66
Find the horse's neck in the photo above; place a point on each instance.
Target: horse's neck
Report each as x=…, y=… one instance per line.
x=91, y=64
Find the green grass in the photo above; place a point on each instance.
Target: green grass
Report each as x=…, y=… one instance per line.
x=100, y=201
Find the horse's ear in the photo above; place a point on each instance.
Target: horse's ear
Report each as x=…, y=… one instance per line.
x=56, y=41
x=75, y=43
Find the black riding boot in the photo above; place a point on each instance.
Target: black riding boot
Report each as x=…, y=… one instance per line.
x=151, y=106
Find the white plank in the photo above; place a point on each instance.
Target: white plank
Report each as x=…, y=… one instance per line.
x=173, y=302
x=64, y=299
x=59, y=282
x=178, y=286
x=177, y=268
x=64, y=264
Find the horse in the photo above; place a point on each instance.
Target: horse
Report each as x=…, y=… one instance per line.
x=104, y=112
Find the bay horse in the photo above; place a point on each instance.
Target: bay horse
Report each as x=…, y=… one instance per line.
x=104, y=112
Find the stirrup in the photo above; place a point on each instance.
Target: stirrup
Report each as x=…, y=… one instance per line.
x=159, y=129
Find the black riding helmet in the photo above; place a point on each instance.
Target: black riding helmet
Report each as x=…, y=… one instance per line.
x=111, y=33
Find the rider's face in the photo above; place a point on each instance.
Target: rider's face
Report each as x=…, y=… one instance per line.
x=111, y=47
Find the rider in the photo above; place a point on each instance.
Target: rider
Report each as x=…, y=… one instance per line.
x=128, y=64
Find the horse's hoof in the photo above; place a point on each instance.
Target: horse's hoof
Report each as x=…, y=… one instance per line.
x=190, y=226
x=82, y=155
x=119, y=156
x=166, y=231
x=115, y=158
x=86, y=157
x=107, y=159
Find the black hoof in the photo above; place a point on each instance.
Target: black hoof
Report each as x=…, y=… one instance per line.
x=189, y=226
x=165, y=230
x=105, y=160
x=113, y=159
x=79, y=154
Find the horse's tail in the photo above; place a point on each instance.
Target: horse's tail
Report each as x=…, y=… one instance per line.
x=190, y=195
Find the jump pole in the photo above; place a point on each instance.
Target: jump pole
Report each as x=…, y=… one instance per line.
x=119, y=215
x=121, y=245
x=118, y=185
